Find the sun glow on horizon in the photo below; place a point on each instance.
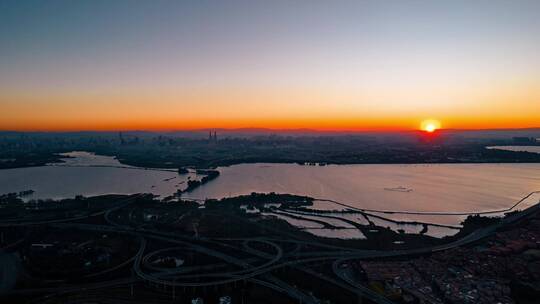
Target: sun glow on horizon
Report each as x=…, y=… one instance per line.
x=430, y=125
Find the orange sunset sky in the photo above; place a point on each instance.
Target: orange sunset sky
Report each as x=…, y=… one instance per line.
x=344, y=65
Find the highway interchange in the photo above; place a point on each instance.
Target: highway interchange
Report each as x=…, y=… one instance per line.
x=240, y=258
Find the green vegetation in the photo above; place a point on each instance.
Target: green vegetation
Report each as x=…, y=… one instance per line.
x=258, y=199
x=208, y=176
x=183, y=170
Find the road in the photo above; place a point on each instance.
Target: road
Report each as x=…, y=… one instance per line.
x=256, y=270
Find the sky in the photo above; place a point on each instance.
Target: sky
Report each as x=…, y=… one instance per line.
x=327, y=65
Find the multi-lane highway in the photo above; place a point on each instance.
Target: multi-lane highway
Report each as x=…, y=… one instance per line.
x=257, y=269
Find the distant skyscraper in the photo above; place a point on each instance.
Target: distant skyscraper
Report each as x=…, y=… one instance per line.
x=121, y=137
x=212, y=137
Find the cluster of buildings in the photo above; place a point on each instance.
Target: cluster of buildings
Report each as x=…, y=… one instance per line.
x=398, y=280
x=525, y=140
x=222, y=300
x=212, y=137
x=64, y=255
x=495, y=271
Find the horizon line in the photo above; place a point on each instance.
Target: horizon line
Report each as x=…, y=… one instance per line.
x=255, y=129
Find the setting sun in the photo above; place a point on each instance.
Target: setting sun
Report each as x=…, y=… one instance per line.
x=430, y=125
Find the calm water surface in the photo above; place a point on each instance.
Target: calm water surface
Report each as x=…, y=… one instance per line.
x=434, y=188
x=88, y=174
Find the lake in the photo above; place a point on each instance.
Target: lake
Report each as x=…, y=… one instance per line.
x=433, y=188
x=89, y=174
x=424, y=188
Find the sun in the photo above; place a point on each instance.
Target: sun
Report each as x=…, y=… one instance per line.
x=431, y=128
x=430, y=125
